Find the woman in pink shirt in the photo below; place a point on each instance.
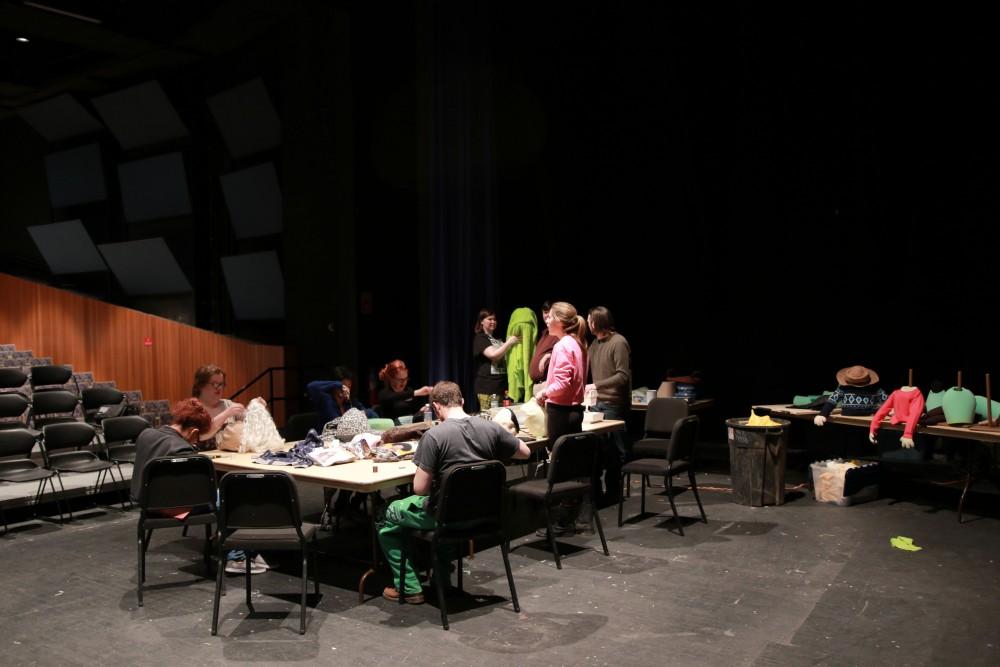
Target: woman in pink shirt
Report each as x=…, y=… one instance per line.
x=562, y=396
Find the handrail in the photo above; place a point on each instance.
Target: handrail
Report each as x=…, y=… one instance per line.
x=269, y=372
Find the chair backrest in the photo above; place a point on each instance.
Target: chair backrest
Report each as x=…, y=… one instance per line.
x=178, y=481
x=297, y=426
x=573, y=457
x=16, y=443
x=95, y=397
x=13, y=405
x=258, y=500
x=12, y=378
x=472, y=491
x=53, y=402
x=663, y=413
x=683, y=439
x=122, y=429
x=70, y=435
x=46, y=376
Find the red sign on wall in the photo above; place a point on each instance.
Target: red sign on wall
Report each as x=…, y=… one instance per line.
x=148, y=341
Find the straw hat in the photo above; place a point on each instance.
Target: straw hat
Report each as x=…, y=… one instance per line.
x=856, y=376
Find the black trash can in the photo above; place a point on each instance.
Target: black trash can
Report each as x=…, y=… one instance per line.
x=757, y=462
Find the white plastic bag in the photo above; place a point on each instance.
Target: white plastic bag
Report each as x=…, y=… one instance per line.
x=534, y=419
x=259, y=431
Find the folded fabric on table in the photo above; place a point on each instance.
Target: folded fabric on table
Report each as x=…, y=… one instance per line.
x=297, y=456
x=328, y=456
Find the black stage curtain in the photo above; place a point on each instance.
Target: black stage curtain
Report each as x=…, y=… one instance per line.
x=462, y=186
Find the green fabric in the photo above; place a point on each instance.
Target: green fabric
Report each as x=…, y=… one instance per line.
x=406, y=513
x=981, y=408
x=378, y=424
x=804, y=400
x=959, y=406
x=935, y=399
x=524, y=325
x=904, y=543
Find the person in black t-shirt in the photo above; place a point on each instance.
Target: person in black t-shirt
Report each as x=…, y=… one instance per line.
x=460, y=438
x=490, y=356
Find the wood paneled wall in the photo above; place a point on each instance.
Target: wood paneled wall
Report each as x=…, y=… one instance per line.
x=110, y=342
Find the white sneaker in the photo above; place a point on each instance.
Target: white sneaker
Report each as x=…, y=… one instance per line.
x=259, y=562
x=236, y=566
x=240, y=566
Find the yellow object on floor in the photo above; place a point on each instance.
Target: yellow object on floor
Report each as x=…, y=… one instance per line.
x=904, y=543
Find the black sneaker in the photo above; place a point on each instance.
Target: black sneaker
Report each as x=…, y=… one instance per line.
x=557, y=530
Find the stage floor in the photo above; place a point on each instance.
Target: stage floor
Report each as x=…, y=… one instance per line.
x=803, y=583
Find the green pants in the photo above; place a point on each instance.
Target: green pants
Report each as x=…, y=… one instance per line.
x=405, y=513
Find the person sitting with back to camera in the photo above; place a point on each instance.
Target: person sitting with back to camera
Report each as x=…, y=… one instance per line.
x=459, y=438
x=180, y=438
x=396, y=399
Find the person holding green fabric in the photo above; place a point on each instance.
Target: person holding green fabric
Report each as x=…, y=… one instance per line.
x=459, y=438
x=490, y=358
x=523, y=325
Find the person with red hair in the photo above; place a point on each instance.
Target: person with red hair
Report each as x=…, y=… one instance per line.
x=190, y=420
x=396, y=398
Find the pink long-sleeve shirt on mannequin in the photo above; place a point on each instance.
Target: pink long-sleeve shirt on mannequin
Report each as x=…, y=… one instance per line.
x=906, y=406
x=567, y=373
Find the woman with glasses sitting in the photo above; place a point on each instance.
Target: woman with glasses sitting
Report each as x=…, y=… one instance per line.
x=209, y=383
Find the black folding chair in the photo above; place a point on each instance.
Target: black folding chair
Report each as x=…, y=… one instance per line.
x=470, y=506
x=53, y=407
x=679, y=458
x=51, y=378
x=171, y=484
x=661, y=415
x=16, y=467
x=12, y=378
x=95, y=398
x=13, y=411
x=120, y=434
x=260, y=511
x=572, y=465
x=64, y=450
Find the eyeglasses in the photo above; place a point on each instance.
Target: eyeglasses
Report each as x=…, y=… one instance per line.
x=217, y=385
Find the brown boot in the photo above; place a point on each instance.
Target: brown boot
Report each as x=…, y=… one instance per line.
x=391, y=594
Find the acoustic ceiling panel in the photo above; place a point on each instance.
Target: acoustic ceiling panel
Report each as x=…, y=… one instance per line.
x=154, y=188
x=59, y=118
x=246, y=118
x=145, y=267
x=140, y=115
x=75, y=176
x=67, y=248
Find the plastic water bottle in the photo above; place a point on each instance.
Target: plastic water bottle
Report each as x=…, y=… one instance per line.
x=494, y=401
x=428, y=417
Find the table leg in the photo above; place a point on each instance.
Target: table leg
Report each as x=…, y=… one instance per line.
x=376, y=505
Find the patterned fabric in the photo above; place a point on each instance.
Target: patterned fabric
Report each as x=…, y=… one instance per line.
x=351, y=424
x=855, y=400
